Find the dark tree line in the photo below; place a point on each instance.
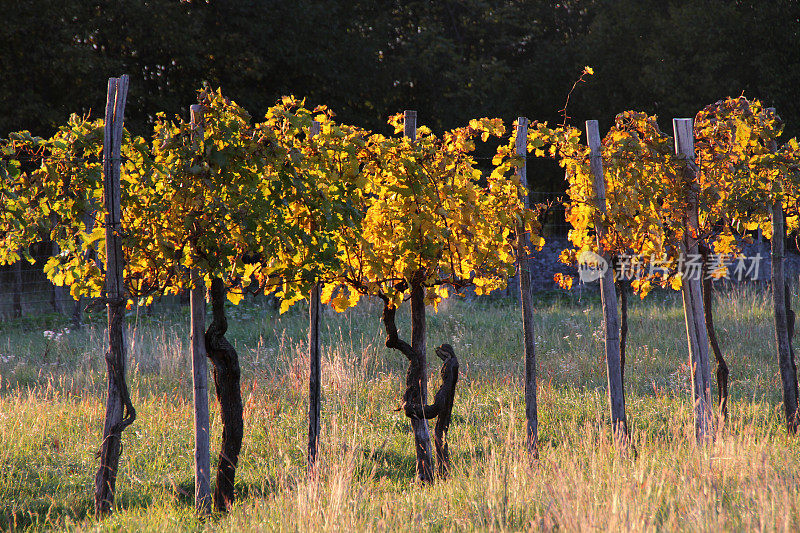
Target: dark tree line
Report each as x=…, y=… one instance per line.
x=449, y=59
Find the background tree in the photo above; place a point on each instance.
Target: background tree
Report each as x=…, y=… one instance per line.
x=449, y=60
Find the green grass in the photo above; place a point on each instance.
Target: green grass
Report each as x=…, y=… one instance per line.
x=51, y=414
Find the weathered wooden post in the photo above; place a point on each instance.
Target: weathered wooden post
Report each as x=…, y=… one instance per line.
x=523, y=272
x=119, y=410
x=608, y=293
x=315, y=370
x=422, y=437
x=202, y=452
x=780, y=300
x=691, y=289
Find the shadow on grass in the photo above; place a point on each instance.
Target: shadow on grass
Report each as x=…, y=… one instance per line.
x=401, y=468
x=76, y=505
x=43, y=513
x=389, y=464
x=183, y=493
x=57, y=507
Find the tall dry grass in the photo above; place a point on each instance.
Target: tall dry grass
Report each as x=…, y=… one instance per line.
x=51, y=410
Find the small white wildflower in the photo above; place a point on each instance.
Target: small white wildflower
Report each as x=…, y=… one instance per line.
x=55, y=335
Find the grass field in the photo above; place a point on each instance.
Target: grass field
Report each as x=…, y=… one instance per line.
x=51, y=413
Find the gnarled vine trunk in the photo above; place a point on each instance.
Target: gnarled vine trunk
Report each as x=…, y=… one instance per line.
x=227, y=384
x=722, y=365
x=441, y=408
x=415, y=376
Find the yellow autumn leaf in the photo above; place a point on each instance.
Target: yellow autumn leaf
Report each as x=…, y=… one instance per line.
x=355, y=297
x=249, y=269
x=58, y=279
x=339, y=303
x=327, y=292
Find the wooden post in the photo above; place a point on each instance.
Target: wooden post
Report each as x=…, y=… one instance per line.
x=780, y=297
x=691, y=289
x=410, y=124
x=119, y=410
x=523, y=272
x=608, y=293
x=202, y=451
x=315, y=366
x=422, y=437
